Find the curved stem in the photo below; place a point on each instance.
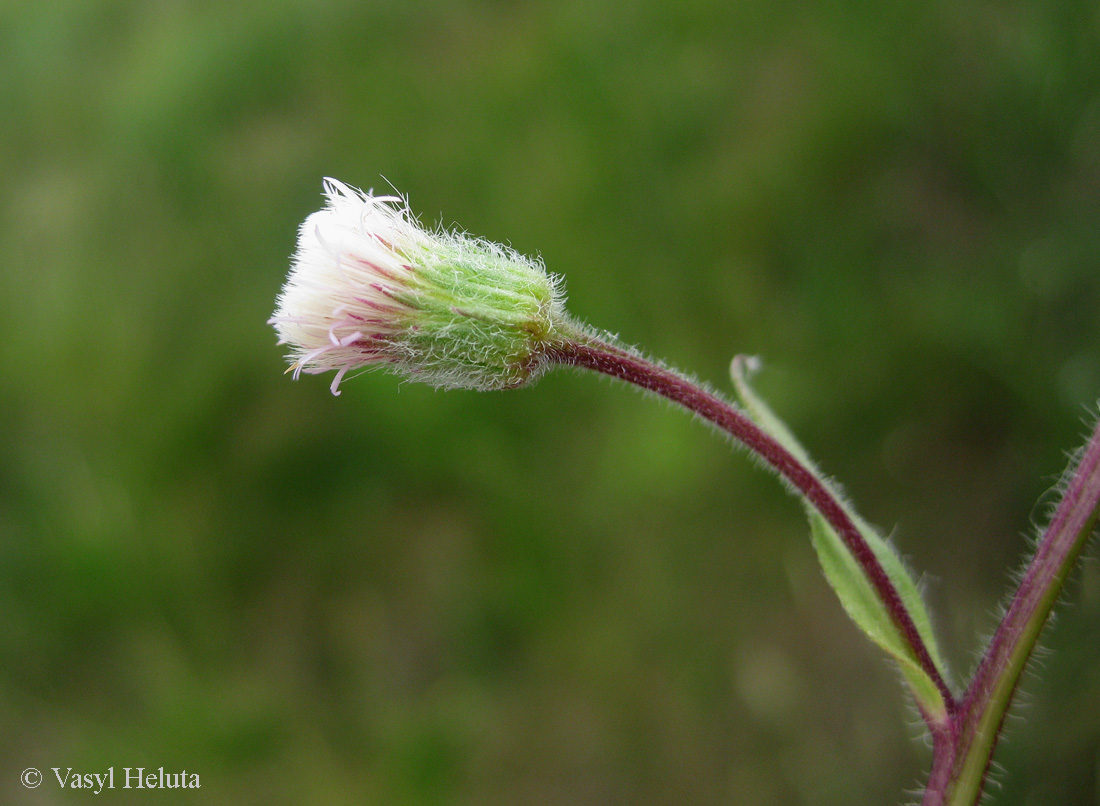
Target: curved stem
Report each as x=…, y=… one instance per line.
x=595, y=354
x=964, y=742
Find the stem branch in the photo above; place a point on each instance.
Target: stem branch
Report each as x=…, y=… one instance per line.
x=963, y=744
x=986, y=701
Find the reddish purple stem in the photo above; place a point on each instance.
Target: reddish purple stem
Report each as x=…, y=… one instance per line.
x=1014, y=640
x=600, y=356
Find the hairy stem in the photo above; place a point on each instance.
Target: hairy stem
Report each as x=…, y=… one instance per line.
x=965, y=757
x=595, y=354
x=964, y=742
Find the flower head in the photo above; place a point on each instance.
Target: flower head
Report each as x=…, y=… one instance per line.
x=369, y=286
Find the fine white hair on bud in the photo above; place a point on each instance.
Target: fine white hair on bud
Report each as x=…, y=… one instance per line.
x=369, y=286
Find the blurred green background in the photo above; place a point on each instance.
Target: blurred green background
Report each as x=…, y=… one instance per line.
x=567, y=594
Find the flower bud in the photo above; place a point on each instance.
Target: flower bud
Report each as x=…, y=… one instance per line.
x=369, y=286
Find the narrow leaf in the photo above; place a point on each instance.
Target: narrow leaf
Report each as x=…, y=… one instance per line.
x=844, y=573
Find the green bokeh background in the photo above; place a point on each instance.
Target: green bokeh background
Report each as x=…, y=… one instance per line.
x=571, y=593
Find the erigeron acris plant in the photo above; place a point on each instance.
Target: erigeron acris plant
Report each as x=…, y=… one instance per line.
x=370, y=287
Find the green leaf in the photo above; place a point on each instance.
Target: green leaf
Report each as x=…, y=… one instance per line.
x=863, y=606
x=856, y=592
